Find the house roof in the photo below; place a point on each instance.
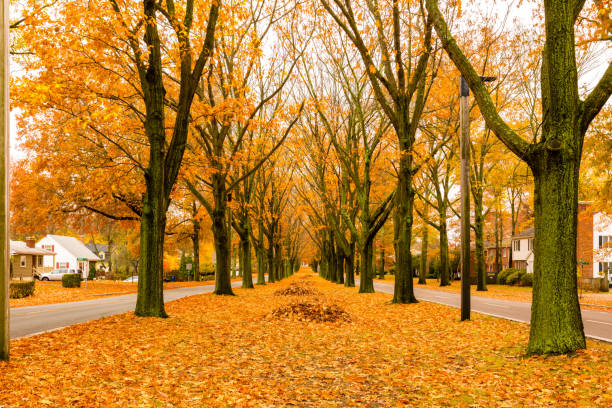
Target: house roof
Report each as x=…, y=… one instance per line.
x=528, y=233
x=97, y=248
x=20, y=248
x=75, y=247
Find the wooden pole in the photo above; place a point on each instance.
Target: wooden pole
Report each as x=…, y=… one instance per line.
x=4, y=158
x=465, y=199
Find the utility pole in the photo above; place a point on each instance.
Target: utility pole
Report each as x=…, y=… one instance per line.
x=464, y=120
x=4, y=200
x=464, y=146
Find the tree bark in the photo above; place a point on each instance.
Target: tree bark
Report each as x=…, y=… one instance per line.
x=223, y=282
x=556, y=323
x=366, y=283
x=403, y=290
x=479, y=243
x=424, y=246
x=245, y=262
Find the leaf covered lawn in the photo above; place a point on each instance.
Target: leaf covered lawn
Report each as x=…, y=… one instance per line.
x=252, y=350
x=53, y=292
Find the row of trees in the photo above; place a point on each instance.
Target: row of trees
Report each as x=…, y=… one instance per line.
x=326, y=122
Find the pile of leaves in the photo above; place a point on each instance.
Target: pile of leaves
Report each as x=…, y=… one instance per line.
x=302, y=288
x=311, y=310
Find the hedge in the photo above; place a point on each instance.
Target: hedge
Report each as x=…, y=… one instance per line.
x=526, y=279
x=502, y=277
x=71, y=280
x=18, y=290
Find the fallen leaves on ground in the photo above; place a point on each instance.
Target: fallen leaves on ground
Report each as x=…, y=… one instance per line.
x=46, y=292
x=298, y=288
x=311, y=310
x=224, y=351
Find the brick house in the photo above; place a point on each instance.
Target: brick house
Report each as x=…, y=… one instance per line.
x=594, y=243
x=489, y=259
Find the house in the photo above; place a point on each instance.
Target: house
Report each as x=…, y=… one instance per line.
x=27, y=260
x=69, y=253
x=103, y=252
x=593, y=245
x=522, y=250
x=490, y=250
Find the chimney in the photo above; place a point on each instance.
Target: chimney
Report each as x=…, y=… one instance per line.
x=30, y=242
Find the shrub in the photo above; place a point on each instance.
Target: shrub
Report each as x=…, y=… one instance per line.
x=18, y=290
x=92, y=272
x=71, y=280
x=526, y=279
x=515, y=277
x=502, y=277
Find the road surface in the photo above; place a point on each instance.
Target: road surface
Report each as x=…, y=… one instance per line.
x=31, y=320
x=597, y=324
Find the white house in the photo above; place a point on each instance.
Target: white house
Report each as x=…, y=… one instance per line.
x=69, y=253
x=602, y=244
x=522, y=250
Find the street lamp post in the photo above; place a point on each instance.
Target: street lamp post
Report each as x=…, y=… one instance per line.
x=4, y=149
x=464, y=146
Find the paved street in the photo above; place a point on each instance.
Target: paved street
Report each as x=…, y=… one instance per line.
x=597, y=324
x=26, y=321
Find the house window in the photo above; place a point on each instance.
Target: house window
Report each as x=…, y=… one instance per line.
x=62, y=265
x=530, y=244
x=605, y=241
x=517, y=245
x=48, y=247
x=22, y=261
x=505, y=252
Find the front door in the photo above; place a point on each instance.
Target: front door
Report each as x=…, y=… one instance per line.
x=82, y=268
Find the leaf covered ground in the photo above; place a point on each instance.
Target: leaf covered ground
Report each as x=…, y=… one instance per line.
x=53, y=292
x=235, y=352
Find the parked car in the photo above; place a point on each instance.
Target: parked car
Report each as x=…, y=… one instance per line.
x=55, y=274
x=131, y=279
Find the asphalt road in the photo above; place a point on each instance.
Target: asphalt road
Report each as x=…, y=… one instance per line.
x=31, y=320
x=597, y=324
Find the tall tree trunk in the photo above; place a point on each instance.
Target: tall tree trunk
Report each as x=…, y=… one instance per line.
x=245, y=262
x=349, y=268
x=270, y=265
x=150, y=299
x=366, y=281
x=481, y=278
x=403, y=291
x=261, y=258
x=221, y=235
x=556, y=323
x=382, y=264
x=444, y=264
x=424, y=246
x=339, y=266
x=195, y=240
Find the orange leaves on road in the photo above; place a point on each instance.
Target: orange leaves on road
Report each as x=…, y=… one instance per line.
x=218, y=351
